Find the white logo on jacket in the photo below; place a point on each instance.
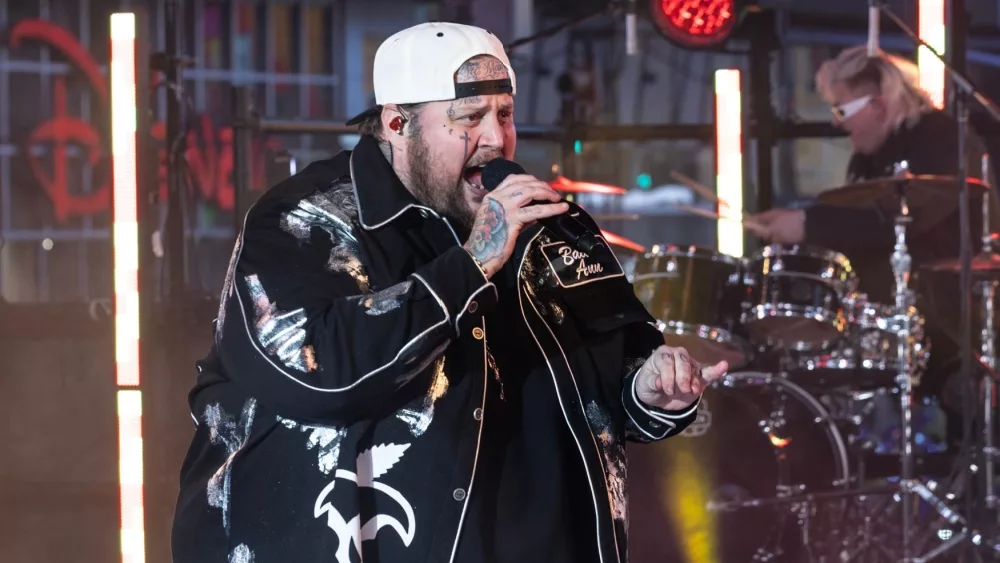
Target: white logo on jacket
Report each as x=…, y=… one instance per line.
x=583, y=269
x=371, y=465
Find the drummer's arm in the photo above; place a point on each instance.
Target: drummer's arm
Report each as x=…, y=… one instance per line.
x=837, y=227
x=645, y=423
x=843, y=228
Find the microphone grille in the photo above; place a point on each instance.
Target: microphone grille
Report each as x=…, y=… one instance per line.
x=496, y=170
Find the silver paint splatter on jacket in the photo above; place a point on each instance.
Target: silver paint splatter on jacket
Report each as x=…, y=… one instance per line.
x=333, y=212
x=232, y=434
x=281, y=333
x=388, y=299
x=241, y=554
x=227, y=291
x=614, y=461
x=326, y=440
x=419, y=420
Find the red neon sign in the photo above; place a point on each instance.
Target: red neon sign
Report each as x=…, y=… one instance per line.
x=209, y=154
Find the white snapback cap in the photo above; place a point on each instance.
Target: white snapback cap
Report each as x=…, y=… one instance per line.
x=418, y=65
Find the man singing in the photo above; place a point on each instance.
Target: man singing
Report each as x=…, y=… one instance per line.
x=407, y=368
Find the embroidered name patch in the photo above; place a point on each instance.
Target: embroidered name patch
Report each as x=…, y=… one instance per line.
x=573, y=267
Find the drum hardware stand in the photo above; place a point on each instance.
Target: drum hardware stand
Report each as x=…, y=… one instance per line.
x=905, y=313
x=901, y=264
x=988, y=357
x=962, y=90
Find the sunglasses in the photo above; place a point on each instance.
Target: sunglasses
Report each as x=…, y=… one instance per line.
x=847, y=110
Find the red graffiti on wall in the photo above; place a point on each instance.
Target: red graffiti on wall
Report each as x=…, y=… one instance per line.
x=209, y=154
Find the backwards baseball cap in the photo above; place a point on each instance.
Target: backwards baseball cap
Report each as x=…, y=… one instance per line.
x=418, y=65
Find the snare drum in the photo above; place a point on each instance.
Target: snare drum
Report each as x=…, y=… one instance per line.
x=694, y=293
x=795, y=296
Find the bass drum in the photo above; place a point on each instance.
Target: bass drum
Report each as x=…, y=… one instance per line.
x=757, y=436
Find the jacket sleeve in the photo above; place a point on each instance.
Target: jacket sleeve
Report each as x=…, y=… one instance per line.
x=301, y=329
x=623, y=311
x=645, y=423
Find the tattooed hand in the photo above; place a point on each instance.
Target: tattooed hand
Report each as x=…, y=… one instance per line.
x=671, y=379
x=504, y=213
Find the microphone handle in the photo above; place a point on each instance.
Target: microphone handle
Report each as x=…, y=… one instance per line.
x=572, y=230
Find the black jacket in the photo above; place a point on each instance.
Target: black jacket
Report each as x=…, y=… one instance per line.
x=342, y=403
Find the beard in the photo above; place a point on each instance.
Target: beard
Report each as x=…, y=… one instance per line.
x=437, y=191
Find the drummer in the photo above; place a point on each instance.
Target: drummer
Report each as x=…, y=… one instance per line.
x=889, y=119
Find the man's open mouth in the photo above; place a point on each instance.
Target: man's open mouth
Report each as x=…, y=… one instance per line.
x=474, y=176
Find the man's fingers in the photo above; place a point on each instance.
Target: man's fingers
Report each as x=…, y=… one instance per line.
x=541, y=211
x=697, y=386
x=514, y=179
x=521, y=184
x=523, y=194
x=683, y=369
x=758, y=230
x=712, y=373
x=665, y=364
x=767, y=216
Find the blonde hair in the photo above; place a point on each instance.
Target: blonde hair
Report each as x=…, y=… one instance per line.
x=895, y=78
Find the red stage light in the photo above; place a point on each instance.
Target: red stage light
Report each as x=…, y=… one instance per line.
x=694, y=23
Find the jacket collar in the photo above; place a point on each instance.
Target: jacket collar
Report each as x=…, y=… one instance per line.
x=381, y=196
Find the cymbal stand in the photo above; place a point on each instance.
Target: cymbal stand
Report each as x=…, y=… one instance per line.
x=905, y=318
x=988, y=357
x=963, y=90
x=901, y=268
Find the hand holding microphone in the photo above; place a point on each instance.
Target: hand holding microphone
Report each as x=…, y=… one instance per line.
x=507, y=211
x=516, y=201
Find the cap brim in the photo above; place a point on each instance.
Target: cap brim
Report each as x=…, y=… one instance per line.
x=373, y=111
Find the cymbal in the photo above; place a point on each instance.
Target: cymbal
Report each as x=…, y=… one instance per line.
x=564, y=184
x=986, y=264
x=618, y=240
x=932, y=198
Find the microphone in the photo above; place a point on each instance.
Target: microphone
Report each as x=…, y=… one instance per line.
x=874, y=13
x=631, y=41
x=563, y=225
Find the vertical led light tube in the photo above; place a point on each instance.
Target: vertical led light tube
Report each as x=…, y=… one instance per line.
x=729, y=160
x=125, y=209
x=931, y=28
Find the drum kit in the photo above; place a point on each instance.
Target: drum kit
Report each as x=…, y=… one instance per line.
x=796, y=466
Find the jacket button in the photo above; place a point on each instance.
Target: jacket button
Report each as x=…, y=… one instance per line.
x=477, y=333
x=458, y=494
x=473, y=306
x=477, y=414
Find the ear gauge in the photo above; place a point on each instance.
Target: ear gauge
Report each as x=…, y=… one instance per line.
x=396, y=124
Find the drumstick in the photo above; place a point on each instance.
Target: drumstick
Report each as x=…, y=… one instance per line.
x=747, y=222
x=699, y=211
x=702, y=189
